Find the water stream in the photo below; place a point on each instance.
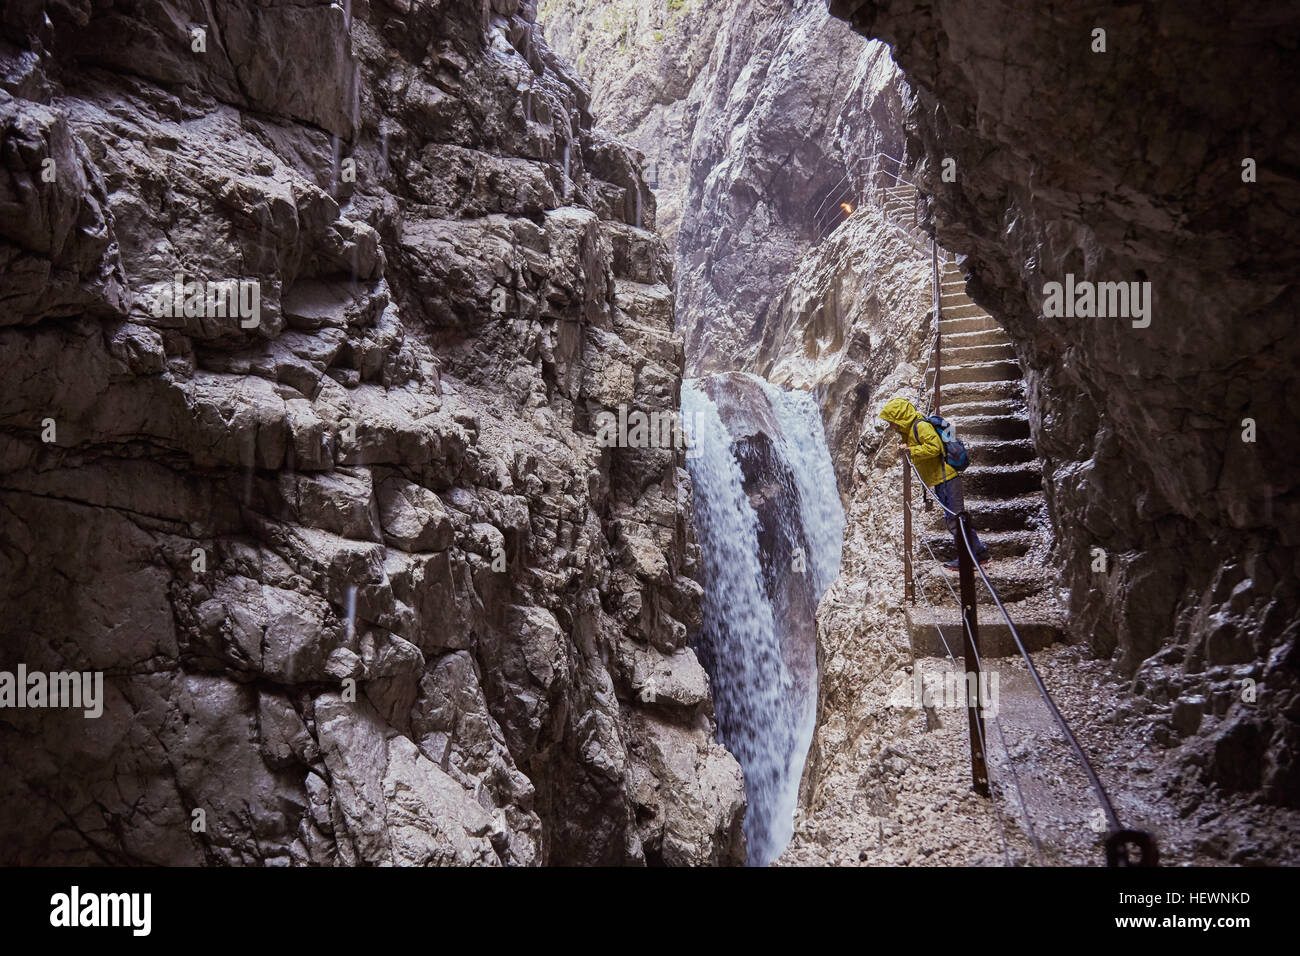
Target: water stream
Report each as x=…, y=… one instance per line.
x=758, y=637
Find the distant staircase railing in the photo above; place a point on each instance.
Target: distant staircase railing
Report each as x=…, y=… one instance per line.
x=869, y=177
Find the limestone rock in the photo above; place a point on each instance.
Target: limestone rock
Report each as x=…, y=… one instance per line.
x=414, y=519
x=352, y=561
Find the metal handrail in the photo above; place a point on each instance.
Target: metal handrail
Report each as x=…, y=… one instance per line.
x=1118, y=836
x=938, y=321
x=997, y=722
x=838, y=191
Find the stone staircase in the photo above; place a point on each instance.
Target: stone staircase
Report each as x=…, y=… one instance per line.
x=898, y=203
x=983, y=396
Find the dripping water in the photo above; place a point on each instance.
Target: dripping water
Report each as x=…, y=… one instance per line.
x=350, y=609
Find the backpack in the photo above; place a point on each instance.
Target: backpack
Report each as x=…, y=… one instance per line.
x=954, y=452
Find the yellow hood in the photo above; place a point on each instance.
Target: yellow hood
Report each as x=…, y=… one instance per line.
x=901, y=413
x=923, y=443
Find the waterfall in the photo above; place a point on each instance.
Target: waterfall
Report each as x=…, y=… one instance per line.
x=820, y=511
x=765, y=702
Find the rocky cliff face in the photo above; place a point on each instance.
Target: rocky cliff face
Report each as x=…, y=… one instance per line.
x=858, y=305
x=642, y=60
x=756, y=115
x=362, y=584
x=1165, y=446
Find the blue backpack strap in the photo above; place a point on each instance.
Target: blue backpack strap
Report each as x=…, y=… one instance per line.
x=943, y=449
x=944, y=466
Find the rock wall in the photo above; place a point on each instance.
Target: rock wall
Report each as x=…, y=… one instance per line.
x=858, y=305
x=363, y=586
x=1166, y=446
x=642, y=60
x=754, y=113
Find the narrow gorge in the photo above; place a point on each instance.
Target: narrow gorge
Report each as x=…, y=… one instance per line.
x=453, y=433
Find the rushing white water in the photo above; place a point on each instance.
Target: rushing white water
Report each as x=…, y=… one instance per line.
x=765, y=711
x=804, y=441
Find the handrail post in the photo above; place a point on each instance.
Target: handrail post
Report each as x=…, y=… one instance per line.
x=970, y=641
x=909, y=590
x=938, y=323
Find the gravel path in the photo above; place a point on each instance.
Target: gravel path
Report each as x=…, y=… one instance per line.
x=908, y=802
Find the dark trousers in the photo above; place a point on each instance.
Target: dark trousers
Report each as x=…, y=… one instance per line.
x=949, y=494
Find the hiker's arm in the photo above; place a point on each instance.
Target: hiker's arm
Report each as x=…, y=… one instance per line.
x=928, y=444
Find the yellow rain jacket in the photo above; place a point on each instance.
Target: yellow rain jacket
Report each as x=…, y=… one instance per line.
x=923, y=441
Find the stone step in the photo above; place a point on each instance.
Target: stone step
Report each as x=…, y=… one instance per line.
x=985, y=452
x=974, y=323
x=1015, y=578
x=1020, y=513
x=954, y=393
x=1001, y=544
x=967, y=310
x=975, y=354
x=978, y=408
x=1003, y=427
x=1003, y=481
x=1004, y=371
x=960, y=340
x=1037, y=629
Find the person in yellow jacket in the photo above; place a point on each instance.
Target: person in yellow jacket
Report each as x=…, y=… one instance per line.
x=921, y=440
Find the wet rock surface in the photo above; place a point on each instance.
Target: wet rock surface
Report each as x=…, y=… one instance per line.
x=363, y=586
x=1118, y=166
x=907, y=800
x=753, y=114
